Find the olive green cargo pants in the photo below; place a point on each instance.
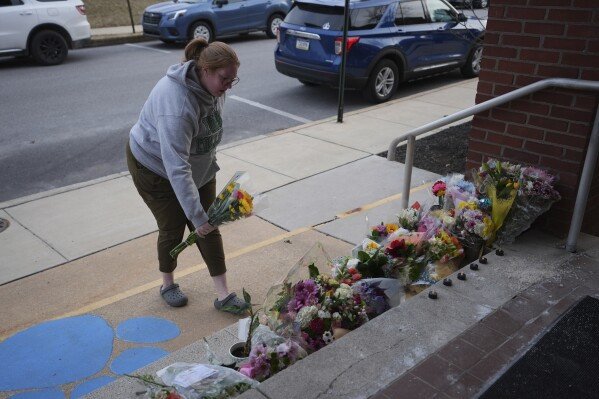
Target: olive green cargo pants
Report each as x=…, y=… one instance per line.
x=159, y=196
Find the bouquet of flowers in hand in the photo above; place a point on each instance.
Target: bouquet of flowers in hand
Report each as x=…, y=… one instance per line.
x=232, y=203
x=500, y=181
x=535, y=196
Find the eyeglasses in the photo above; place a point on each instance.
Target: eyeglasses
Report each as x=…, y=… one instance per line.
x=227, y=82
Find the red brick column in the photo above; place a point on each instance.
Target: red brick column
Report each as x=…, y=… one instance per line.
x=526, y=41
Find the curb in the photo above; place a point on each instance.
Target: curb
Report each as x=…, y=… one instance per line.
x=108, y=40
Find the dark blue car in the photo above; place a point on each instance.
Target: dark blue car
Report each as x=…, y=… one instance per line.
x=181, y=21
x=388, y=41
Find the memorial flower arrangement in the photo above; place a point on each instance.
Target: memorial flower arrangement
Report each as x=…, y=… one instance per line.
x=535, y=196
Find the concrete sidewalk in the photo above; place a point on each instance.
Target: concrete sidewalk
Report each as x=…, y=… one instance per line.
x=59, y=226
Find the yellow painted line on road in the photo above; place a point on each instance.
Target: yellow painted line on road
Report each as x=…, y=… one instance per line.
x=380, y=202
x=156, y=283
x=240, y=252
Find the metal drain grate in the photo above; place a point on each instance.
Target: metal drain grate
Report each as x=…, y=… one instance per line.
x=4, y=224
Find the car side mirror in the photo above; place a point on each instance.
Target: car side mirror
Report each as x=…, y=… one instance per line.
x=462, y=17
x=221, y=3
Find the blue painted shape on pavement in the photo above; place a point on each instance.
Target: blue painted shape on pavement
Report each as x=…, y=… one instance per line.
x=91, y=385
x=135, y=358
x=147, y=330
x=55, y=352
x=45, y=394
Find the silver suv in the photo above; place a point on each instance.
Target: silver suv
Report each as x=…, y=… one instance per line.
x=43, y=29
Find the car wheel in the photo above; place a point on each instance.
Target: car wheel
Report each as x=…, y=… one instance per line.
x=382, y=82
x=49, y=47
x=309, y=84
x=273, y=25
x=201, y=30
x=471, y=68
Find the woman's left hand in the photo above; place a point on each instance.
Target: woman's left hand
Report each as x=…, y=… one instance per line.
x=205, y=229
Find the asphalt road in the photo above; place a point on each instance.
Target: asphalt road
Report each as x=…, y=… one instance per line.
x=69, y=123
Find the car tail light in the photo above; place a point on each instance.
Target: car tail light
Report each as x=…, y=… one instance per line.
x=348, y=45
x=81, y=9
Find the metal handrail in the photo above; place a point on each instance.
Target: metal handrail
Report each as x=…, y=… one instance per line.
x=589, y=163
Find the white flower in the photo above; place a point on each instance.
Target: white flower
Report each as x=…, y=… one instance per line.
x=324, y=314
x=336, y=316
x=353, y=262
x=306, y=315
x=343, y=292
x=327, y=337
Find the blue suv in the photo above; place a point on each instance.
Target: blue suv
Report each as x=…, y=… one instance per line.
x=388, y=41
x=181, y=21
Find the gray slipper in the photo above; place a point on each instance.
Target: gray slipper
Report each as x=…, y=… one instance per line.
x=173, y=296
x=231, y=304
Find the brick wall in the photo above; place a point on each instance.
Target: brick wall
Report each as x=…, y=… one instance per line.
x=526, y=41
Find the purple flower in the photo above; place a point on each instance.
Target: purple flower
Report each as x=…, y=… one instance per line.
x=305, y=294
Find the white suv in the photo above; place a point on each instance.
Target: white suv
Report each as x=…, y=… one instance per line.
x=43, y=29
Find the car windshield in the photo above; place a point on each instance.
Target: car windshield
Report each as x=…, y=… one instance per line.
x=331, y=17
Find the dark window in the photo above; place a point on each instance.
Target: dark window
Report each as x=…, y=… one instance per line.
x=439, y=11
x=6, y=3
x=366, y=18
x=318, y=16
x=410, y=12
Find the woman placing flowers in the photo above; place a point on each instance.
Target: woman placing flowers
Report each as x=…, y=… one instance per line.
x=171, y=157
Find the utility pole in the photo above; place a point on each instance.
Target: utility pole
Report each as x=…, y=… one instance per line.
x=343, y=61
x=131, y=16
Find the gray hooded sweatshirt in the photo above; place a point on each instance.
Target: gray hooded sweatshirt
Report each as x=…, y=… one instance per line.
x=176, y=136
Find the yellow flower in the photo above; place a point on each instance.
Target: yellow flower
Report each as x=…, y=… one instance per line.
x=468, y=205
x=372, y=246
x=391, y=227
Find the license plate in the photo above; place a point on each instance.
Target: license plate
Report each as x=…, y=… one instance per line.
x=302, y=44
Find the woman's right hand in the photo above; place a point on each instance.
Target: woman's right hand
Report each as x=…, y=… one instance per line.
x=204, y=229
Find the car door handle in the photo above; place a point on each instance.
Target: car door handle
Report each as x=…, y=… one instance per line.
x=441, y=28
x=26, y=13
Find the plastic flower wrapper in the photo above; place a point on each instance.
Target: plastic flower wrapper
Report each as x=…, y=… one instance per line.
x=199, y=381
x=369, y=246
x=434, y=220
x=500, y=182
x=234, y=202
x=349, y=270
x=408, y=218
x=279, y=295
x=444, y=254
x=270, y=354
x=458, y=191
x=473, y=228
x=406, y=258
x=535, y=196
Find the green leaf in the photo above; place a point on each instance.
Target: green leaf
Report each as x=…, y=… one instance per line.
x=313, y=270
x=363, y=256
x=246, y=297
